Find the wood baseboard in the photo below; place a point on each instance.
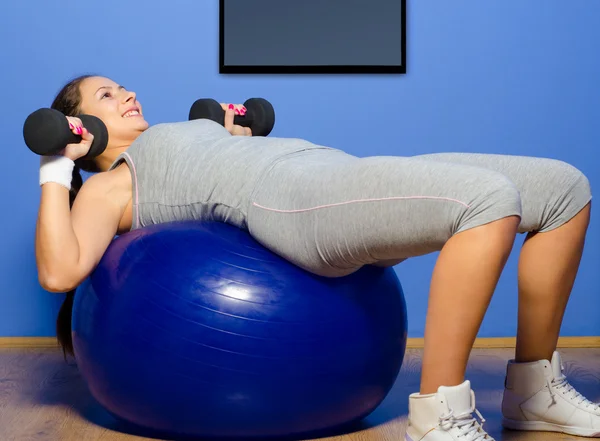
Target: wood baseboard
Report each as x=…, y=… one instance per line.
x=413, y=343
x=28, y=342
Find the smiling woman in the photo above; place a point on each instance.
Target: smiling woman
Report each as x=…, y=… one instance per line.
x=331, y=213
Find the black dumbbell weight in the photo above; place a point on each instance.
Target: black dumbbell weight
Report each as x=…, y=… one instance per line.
x=46, y=132
x=260, y=115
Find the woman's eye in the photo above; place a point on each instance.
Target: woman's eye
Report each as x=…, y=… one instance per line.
x=106, y=94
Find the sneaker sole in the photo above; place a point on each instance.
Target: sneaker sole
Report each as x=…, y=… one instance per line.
x=540, y=426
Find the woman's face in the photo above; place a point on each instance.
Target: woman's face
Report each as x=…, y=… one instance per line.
x=117, y=107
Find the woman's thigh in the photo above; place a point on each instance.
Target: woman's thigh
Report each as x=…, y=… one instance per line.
x=551, y=191
x=331, y=213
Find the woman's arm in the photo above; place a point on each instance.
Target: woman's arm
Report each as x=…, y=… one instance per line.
x=70, y=243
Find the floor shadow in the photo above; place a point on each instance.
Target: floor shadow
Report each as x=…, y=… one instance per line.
x=55, y=381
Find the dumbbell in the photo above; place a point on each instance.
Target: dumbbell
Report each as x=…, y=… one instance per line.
x=260, y=115
x=46, y=132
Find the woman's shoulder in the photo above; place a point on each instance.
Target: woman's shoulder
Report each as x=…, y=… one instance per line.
x=114, y=184
x=103, y=206
x=112, y=190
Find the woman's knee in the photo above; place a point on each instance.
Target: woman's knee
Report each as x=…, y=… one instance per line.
x=565, y=173
x=581, y=183
x=568, y=191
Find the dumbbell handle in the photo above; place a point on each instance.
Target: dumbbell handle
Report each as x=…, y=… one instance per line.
x=241, y=120
x=47, y=132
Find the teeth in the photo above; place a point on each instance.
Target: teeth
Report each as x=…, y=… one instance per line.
x=131, y=113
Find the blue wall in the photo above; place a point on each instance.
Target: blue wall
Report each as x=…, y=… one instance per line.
x=513, y=77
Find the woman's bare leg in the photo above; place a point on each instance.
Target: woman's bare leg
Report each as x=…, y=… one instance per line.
x=463, y=281
x=548, y=266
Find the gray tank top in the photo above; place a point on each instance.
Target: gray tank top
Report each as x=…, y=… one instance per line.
x=196, y=170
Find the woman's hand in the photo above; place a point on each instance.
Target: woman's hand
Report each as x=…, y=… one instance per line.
x=230, y=111
x=79, y=150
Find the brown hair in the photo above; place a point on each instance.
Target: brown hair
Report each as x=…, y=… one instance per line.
x=68, y=101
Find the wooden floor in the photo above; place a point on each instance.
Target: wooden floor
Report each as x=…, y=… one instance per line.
x=43, y=398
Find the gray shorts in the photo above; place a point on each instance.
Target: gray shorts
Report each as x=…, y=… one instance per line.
x=331, y=213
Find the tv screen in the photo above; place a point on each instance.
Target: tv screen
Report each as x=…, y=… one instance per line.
x=312, y=36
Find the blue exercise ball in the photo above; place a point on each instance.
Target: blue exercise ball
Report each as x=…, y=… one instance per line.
x=195, y=329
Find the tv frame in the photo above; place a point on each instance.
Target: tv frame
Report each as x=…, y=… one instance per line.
x=309, y=69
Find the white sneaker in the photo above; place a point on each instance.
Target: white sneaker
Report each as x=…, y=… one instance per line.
x=445, y=416
x=537, y=396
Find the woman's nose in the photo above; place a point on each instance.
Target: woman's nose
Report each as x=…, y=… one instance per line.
x=129, y=96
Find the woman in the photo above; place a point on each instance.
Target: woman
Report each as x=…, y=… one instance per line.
x=330, y=213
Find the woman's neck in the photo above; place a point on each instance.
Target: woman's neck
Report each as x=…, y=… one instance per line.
x=109, y=156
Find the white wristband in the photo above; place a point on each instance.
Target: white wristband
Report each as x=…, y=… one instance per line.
x=57, y=169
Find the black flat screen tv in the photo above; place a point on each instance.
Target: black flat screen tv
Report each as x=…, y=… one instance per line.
x=312, y=36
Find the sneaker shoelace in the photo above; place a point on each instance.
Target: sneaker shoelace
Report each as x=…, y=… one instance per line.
x=563, y=385
x=468, y=426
